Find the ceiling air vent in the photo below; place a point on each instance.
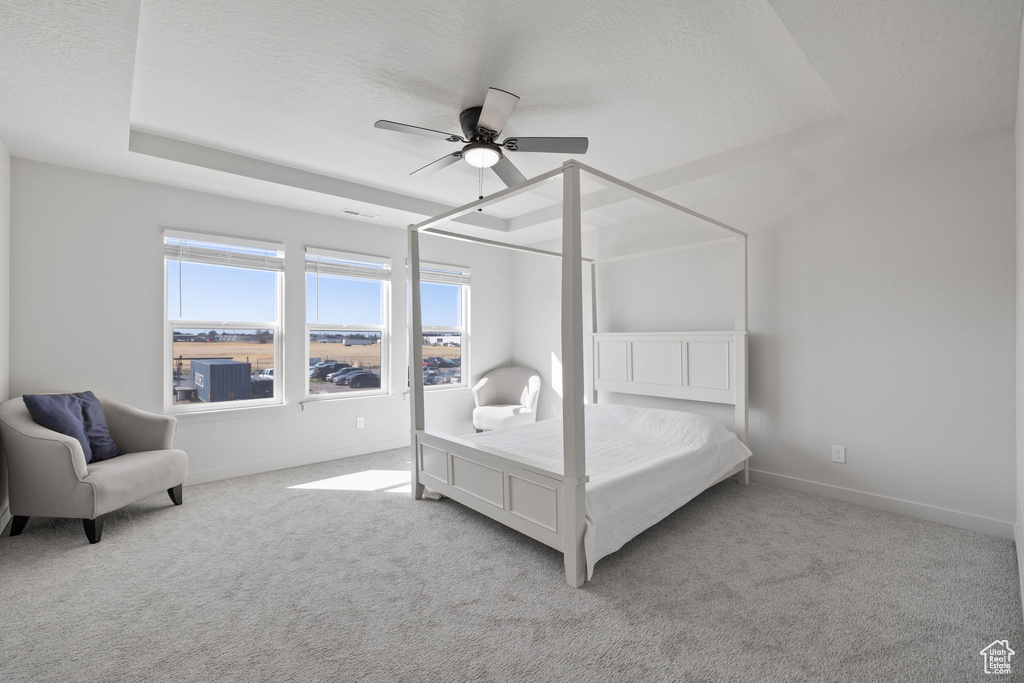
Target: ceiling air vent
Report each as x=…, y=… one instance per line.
x=358, y=214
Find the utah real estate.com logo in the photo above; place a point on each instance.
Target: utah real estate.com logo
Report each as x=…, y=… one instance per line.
x=997, y=657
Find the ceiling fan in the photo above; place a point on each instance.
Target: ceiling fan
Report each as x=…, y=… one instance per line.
x=481, y=127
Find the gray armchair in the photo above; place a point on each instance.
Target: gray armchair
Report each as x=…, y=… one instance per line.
x=48, y=476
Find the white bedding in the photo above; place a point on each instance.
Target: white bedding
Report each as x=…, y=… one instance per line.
x=643, y=464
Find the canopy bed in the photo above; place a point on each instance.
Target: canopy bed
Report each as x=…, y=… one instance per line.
x=589, y=481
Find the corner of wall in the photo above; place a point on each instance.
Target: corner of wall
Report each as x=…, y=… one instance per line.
x=5, y=309
x=1019, y=134
x=5, y=270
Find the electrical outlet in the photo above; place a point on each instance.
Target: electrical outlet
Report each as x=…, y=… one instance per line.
x=359, y=423
x=839, y=454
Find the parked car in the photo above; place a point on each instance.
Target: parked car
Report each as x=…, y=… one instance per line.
x=323, y=369
x=453, y=376
x=448, y=363
x=432, y=377
x=331, y=376
x=261, y=387
x=269, y=372
x=358, y=380
x=341, y=375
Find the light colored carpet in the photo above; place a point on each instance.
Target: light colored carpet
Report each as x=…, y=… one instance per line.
x=253, y=581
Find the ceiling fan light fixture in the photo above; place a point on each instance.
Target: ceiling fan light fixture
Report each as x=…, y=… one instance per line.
x=481, y=126
x=481, y=154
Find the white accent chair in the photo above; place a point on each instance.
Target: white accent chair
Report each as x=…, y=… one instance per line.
x=506, y=397
x=48, y=475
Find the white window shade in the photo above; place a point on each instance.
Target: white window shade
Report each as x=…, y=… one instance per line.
x=445, y=275
x=211, y=253
x=347, y=265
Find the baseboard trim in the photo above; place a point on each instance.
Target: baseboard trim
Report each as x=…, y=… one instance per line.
x=5, y=518
x=932, y=513
x=257, y=467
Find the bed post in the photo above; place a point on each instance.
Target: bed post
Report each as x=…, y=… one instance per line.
x=415, y=360
x=589, y=370
x=573, y=429
x=741, y=352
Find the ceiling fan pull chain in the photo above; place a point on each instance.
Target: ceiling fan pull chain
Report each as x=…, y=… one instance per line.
x=480, y=186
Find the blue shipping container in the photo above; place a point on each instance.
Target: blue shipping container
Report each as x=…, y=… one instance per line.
x=221, y=380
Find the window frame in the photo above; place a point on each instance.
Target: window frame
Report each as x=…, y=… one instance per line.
x=383, y=329
x=274, y=326
x=463, y=331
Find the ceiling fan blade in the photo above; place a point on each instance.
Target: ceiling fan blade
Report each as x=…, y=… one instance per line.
x=497, y=108
x=508, y=173
x=555, y=145
x=435, y=166
x=416, y=130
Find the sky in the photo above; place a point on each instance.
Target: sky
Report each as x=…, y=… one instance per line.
x=222, y=294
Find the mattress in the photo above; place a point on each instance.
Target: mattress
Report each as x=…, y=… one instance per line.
x=643, y=464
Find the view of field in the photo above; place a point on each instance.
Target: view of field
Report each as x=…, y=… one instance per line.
x=261, y=357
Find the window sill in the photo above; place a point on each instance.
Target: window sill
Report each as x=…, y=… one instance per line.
x=233, y=413
x=330, y=398
x=246, y=412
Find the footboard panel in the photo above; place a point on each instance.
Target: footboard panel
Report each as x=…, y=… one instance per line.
x=519, y=495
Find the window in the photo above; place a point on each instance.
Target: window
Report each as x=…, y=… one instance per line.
x=346, y=323
x=222, y=322
x=444, y=306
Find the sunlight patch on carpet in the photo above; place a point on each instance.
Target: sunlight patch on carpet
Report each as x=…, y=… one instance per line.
x=386, y=481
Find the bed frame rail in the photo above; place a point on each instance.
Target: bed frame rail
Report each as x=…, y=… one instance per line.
x=524, y=497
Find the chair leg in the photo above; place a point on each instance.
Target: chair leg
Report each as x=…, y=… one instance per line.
x=94, y=529
x=175, y=494
x=18, y=523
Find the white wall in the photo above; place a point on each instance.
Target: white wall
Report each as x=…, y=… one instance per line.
x=87, y=313
x=1019, y=518
x=881, y=314
x=536, y=311
x=691, y=289
x=881, y=319
x=5, y=307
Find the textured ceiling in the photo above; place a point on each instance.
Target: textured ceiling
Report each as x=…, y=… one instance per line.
x=693, y=99
x=906, y=75
x=302, y=83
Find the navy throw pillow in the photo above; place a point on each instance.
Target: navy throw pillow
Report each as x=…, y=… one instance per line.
x=100, y=440
x=76, y=415
x=62, y=413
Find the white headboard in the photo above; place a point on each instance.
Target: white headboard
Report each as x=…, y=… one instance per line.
x=696, y=366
